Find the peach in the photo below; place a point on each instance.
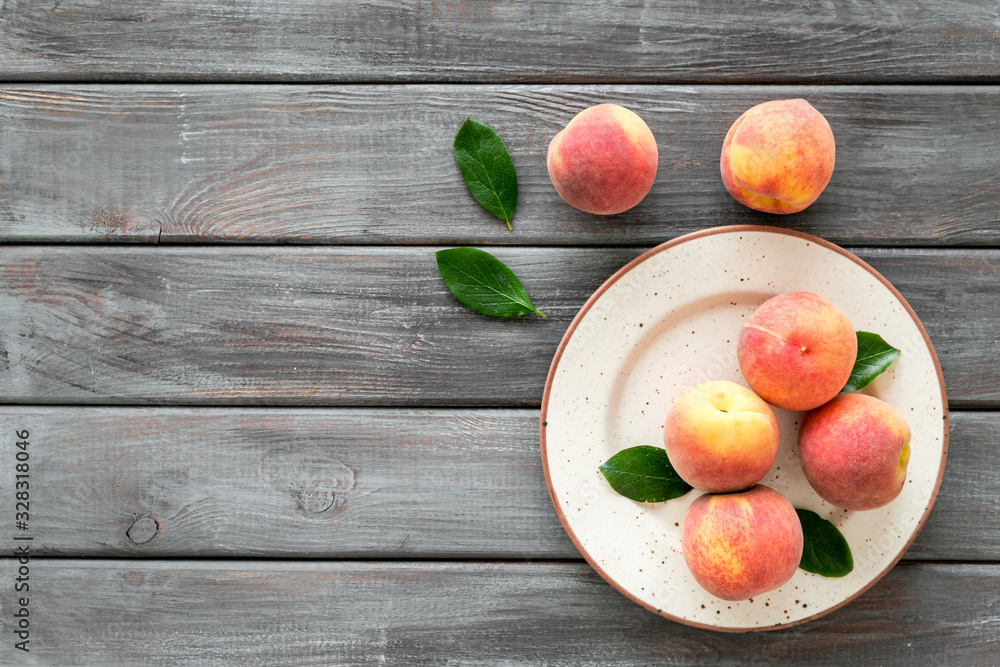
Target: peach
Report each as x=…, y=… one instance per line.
x=778, y=156
x=854, y=451
x=604, y=161
x=797, y=350
x=720, y=437
x=739, y=545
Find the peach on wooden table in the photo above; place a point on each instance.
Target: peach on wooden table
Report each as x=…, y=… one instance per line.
x=720, y=437
x=797, y=350
x=739, y=545
x=778, y=156
x=604, y=161
x=854, y=451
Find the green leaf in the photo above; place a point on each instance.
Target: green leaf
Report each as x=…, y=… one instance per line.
x=483, y=283
x=644, y=474
x=487, y=168
x=824, y=549
x=874, y=356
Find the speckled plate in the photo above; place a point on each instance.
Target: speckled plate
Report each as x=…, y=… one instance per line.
x=668, y=321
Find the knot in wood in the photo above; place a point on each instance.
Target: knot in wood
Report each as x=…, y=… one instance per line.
x=142, y=530
x=318, y=499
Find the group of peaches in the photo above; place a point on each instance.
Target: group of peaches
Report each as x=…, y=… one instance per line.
x=796, y=351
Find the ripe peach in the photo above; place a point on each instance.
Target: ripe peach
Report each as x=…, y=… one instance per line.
x=739, y=545
x=604, y=161
x=854, y=451
x=778, y=156
x=797, y=350
x=721, y=437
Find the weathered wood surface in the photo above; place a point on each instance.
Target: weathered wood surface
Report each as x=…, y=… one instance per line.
x=342, y=483
x=516, y=40
x=364, y=325
x=286, y=483
x=162, y=612
x=373, y=164
x=107, y=135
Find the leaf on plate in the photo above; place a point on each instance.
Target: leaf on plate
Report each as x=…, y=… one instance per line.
x=874, y=356
x=644, y=474
x=487, y=168
x=483, y=283
x=824, y=549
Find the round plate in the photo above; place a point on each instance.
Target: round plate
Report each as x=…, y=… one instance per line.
x=668, y=321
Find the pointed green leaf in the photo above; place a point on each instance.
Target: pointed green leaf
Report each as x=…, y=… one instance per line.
x=644, y=474
x=874, y=356
x=824, y=549
x=487, y=168
x=483, y=283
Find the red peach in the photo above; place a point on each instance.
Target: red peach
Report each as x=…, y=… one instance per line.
x=778, y=156
x=797, y=350
x=739, y=545
x=604, y=161
x=854, y=451
x=721, y=437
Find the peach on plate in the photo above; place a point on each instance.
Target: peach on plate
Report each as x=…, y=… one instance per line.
x=721, y=437
x=797, y=350
x=854, y=451
x=604, y=161
x=778, y=156
x=739, y=545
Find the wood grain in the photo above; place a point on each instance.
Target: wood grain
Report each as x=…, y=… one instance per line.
x=286, y=483
x=209, y=612
x=364, y=325
x=373, y=164
x=510, y=40
x=409, y=430
x=344, y=483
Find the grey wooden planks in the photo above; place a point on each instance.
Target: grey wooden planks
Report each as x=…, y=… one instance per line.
x=209, y=612
x=252, y=326
x=287, y=483
x=373, y=164
x=343, y=483
x=364, y=325
x=518, y=40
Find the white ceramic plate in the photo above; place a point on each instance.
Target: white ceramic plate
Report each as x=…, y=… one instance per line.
x=668, y=321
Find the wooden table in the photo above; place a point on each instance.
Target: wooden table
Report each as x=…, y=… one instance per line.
x=260, y=428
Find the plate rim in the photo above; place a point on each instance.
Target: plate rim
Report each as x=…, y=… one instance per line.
x=615, y=277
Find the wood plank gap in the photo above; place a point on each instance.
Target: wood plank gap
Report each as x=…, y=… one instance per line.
x=222, y=82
